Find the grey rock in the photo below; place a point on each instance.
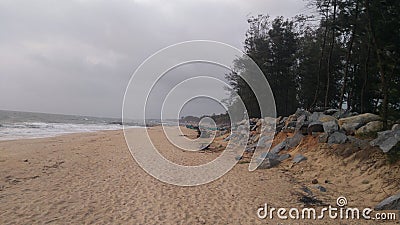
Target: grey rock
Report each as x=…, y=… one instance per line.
x=293, y=141
x=344, y=113
x=326, y=118
x=307, y=190
x=359, y=143
x=391, y=203
x=302, y=112
x=387, y=140
x=298, y=158
x=337, y=138
x=330, y=111
x=300, y=121
x=268, y=163
x=283, y=157
x=315, y=126
x=371, y=127
x=351, y=128
x=321, y=188
x=396, y=127
x=352, y=123
x=330, y=126
x=268, y=155
x=239, y=157
x=323, y=138
x=278, y=147
x=315, y=116
x=304, y=129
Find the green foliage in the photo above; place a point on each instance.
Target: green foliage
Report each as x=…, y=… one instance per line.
x=359, y=38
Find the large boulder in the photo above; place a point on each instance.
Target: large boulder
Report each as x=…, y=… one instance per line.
x=330, y=111
x=359, y=143
x=352, y=123
x=371, y=127
x=315, y=116
x=387, y=140
x=337, y=138
x=326, y=118
x=315, y=126
x=391, y=203
x=396, y=126
x=330, y=126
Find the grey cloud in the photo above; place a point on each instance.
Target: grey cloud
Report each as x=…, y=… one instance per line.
x=76, y=57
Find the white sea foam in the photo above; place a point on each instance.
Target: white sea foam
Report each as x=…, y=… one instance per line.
x=27, y=130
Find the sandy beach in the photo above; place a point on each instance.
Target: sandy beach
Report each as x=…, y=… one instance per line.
x=91, y=178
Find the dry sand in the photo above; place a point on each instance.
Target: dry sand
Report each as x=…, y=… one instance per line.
x=92, y=178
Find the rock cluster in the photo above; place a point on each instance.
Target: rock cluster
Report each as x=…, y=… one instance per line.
x=330, y=126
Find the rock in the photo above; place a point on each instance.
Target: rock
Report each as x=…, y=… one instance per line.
x=284, y=157
x=26, y=160
x=304, y=129
x=278, y=147
x=205, y=146
x=387, y=140
x=302, y=112
x=307, y=190
x=290, y=127
x=326, y=118
x=337, y=138
x=268, y=155
x=352, y=123
x=323, y=138
x=315, y=126
x=239, y=157
x=391, y=203
x=298, y=158
x=314, y=181
x=350, y=128
x=268, y=163
x=396, y=127
x=330, y=111
x=330, y=126
x=362, y=144
x=371, y=127
x=293, y=141
x=300, y=122
x=315, y=116
x=343, y=114
x=319, y=187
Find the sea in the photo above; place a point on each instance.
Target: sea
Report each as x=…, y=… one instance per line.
x=26, y=125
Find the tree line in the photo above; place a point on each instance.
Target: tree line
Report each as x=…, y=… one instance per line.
x=347, y=57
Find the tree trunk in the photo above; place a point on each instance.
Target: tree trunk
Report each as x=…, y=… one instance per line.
x=364, y=86
x=330, y=56
x=348, y=58
x=384, y=111
x=321, y=59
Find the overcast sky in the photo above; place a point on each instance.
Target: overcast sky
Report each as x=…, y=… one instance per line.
x=77, y=56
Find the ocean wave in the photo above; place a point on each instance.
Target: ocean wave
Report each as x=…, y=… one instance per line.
x=12, y=131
